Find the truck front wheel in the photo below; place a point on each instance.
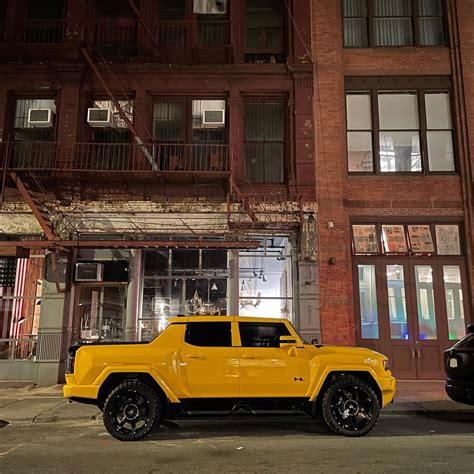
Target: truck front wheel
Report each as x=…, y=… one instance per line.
x=350, y=406
x=131, y=410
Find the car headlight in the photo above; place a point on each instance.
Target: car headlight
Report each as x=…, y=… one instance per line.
x=386, y=365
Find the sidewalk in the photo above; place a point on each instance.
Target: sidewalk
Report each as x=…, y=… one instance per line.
x=46, y=405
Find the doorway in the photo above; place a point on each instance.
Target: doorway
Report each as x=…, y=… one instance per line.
x=411, y=310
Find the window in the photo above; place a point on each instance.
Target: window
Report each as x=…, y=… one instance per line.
x=34, y=133
x=393, y=23
x=368, y=302
x=398, y=131
x=264, y=141
x=406, y=239
x=190, y=134
x=101, y=312
x=263, y=31
x=209, y=334
x=262, y=335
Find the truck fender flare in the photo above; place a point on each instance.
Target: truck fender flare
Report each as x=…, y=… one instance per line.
x=128, y=369
x=322, y=377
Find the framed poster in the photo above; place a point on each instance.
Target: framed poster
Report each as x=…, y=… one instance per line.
x=365, y=238
x=394, y=239
x=421, y=240
x=447, y=239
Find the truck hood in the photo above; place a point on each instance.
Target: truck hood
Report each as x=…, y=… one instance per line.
x=343, y=350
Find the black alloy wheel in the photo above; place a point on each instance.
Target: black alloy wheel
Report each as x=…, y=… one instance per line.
x=131, y=410
x=350, y=406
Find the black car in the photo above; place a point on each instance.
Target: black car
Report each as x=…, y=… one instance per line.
x=459, y=367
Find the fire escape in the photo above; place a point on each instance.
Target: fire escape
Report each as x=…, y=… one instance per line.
x=247, y=210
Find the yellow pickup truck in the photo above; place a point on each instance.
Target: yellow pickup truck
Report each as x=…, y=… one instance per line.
x=232, y=365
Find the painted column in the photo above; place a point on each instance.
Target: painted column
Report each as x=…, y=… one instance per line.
x=233, y=283
x=134, y=296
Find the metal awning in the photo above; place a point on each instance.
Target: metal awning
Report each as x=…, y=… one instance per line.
x=19, y=248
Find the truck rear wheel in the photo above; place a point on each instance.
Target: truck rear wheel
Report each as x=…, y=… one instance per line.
x=131, y=410
x=350, y=407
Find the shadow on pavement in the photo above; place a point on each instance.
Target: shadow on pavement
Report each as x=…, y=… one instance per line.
x=388, y=425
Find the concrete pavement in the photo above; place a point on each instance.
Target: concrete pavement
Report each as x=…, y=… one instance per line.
x=46, y=405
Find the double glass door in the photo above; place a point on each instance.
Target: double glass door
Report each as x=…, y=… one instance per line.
x=411, y=310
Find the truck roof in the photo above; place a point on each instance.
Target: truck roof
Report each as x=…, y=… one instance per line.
x=242, y=319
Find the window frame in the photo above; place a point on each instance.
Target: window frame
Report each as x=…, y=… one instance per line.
x=421, y=86
x=252, y=99
x=187, y=130
x=415, y=27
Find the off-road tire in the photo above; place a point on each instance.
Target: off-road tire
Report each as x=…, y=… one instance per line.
x=334, y=408
x=134, y=394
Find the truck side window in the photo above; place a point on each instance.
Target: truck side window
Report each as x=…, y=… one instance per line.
x=209, y=334
x=262, y=334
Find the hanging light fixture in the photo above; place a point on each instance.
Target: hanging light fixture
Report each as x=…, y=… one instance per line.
x=214, y=287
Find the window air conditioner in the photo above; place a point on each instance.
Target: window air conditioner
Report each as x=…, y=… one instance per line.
x=213, y=117
x=41, y=118
x=100, y=118
x=89, y=271
x=210, y=7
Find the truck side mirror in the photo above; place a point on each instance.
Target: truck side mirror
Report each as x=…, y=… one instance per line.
x=289, y=341
x=470, y=329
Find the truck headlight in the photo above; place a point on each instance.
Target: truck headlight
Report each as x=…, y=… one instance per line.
x=386, y=365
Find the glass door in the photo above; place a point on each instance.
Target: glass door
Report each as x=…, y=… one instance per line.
x=411, y=310
x=397, y=314
x=430, y=332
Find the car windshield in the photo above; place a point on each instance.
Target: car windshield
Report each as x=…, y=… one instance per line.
x=465, y=343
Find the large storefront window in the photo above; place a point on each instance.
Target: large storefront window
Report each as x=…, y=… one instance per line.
x=199, y=282
x=265, y=282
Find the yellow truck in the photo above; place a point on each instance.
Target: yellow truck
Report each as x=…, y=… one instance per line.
x=232, y=365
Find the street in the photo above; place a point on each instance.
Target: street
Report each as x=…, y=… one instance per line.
x=435, y=442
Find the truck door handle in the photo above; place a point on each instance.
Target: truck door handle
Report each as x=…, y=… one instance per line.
x=247, y=357
x=195, y=356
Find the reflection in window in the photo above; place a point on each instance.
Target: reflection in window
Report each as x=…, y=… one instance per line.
x=397, y=302
x=454, y=302
x=359, y=132
x=426, y=302
x=439, y=134
x=368, y=302
x=101, y=312
x=399, y=150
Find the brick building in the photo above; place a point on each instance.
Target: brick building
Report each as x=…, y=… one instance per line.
x=395, y=196
x=157, y=159
x=261, y=157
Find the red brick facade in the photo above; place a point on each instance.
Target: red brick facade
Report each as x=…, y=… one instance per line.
x=343, y=197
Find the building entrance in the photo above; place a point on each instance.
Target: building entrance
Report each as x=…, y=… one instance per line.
x=411, y=310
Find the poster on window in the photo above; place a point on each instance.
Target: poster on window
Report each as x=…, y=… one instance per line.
x=210, y=7
x=421, y=240
x=447, y=239
x=394, y=240
x=365, y=239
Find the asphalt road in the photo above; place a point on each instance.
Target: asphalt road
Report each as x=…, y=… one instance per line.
x=399, y=443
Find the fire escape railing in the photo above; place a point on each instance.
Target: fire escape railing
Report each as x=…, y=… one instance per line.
x=130, y=32
x=44, y=31
x=115, y=157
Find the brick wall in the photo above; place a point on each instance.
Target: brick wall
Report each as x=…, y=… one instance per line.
x=341, y=196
